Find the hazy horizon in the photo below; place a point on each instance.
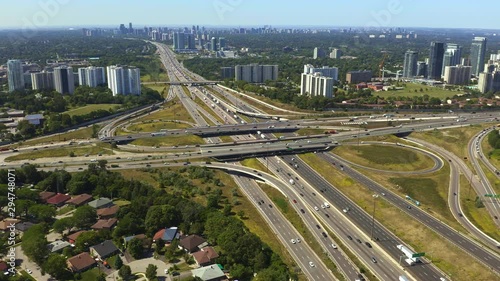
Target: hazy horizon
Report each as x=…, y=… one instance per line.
x=447, y=14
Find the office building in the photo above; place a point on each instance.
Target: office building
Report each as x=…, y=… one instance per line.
x=319, y=53
x=179, y=43
x=457, y=75
x=495, y=57
x=190, y=41
x=15, y=75
x=254, y=73
x=421, y=69
x=326, y=71
x=227, y=73
x=213, y=44
x=123, y=80
x=64, y=80
x=452, y=55
x=435, y=66
x=477, y=54
x=335, y=54
x=354, y=77
x=222, y=43
x=42, y=81
x=410, y=67
x=316, y=84
x=91, y=76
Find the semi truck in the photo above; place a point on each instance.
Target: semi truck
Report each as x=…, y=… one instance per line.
x=410, y=260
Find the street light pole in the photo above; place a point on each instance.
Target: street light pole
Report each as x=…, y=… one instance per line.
x=375, y=196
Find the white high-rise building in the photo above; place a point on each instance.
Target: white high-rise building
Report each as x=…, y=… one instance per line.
x=64, y=80
x=124, y=80
x=15, y=75
x=254, y=73
x=91, y=76
x=335, y=54
x=327, y=71
x=42, y=80
x=457, y=75
x=316, y=84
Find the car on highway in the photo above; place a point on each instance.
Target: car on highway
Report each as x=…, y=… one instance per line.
x=324, y=234
x=316, y=208
x=298, y=240
x=374, y=260
x=29, y=271
x=302, y=211
x=294, y=201
x=311, y=264
x=359, y=241
x=270, y=206
x=368, y=244
x=292, y=241
x=334, y=246
x=349, y=237
x=409, y=207
x=318, y=227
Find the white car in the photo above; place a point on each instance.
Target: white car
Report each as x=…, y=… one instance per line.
x=292, y=240
x=298, y=240
x=316, y=208
x=345, y=210
x=29, y=271
x=311, y=264
x=323, y=206
x=334, y=246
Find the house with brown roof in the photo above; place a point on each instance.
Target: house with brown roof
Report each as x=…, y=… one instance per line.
x=79, y=200
x=45, y=195
x=3, y=266
x=58, y=200
x=192, y=243
x=205, y=256
x=80, y=262
x=107, y=213
x=104, y=224
x=6, y=223
x=72, y=237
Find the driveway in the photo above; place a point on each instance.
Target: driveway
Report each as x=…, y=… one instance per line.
x=25, y=263
x=141, y=265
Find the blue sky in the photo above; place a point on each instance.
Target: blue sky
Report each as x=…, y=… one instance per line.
x=392, y=13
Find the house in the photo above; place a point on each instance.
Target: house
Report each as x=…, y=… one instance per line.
x=3, y=266
x=209, y=273
x=80, y=262
x=101, y=203
x=104, y=224
x=167, y=234
x=192, y=243
x=79, y=200
x=205, y=256
x=6, y=223
x=106, y=213
x=57, y=246
x=104, y=250
x=58, y=200
x=44, y=195
x=72, y=237
x=34, y=119
x=146, y=242
x=23, y=226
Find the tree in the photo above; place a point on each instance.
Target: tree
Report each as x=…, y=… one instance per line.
x=151, y=271
x=135, y=248
x=56, y=266
x=34, y=243
x=84, y=216
x=87, y=239
x=42, y=213
x=118, y=262
x=63, y=224
x=125, y=272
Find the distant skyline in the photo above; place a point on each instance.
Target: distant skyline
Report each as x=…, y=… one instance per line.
x=362, y=13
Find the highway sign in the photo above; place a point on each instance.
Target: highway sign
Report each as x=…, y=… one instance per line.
x=418, y=255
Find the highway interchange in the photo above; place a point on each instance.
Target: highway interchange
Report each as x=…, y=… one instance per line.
x=309, y=190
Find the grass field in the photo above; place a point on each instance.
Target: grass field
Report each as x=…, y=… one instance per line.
x=91, y=107
x=446, y=256
x=173, y=110
x=80, y=134
x=410, y=88
x=162, y=77
x=62, y=152
x=150, y=126
x=169, y=141
x=161, y=88
x=383, y=157
x=309, y=131
x=478, y=216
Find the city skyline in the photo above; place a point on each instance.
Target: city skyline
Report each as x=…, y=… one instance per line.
x=387, y=13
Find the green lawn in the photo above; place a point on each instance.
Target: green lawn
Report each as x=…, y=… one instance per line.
x=61, y=152
x=150, y=126
x=91, y=107
x=169, y=141
x=84, y=133
x=410, y=88
x=90, y=275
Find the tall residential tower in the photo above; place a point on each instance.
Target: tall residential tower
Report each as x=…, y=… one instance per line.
x=410, y=64
x=477, y=53
x=15, y=75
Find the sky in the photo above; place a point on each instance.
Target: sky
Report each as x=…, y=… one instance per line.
x=332, y=13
